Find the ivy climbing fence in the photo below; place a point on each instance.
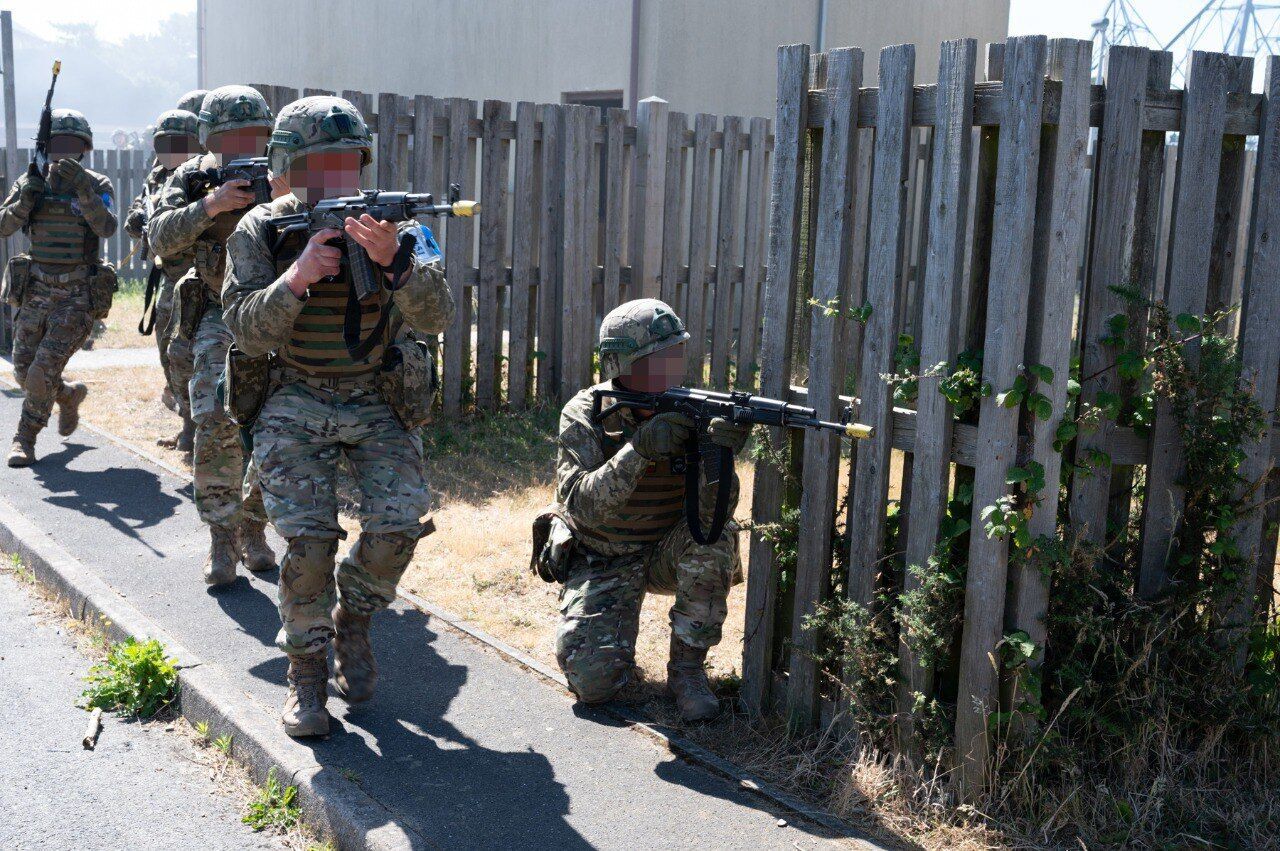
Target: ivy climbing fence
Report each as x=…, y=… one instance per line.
x=1046, y=217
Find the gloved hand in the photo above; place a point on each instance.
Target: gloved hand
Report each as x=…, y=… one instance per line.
x=134, y=223
x=663, y=436
x=33, y=186
x=730, y=435
x=72, y=174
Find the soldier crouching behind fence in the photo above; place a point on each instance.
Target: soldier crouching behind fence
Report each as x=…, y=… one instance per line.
x=61, y=286
x=285, y=303
x=176, y=140
x=189, y=216
x=619, y=529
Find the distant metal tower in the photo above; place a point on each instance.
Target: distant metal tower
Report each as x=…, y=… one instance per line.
x=1238, y=27
x=1121, y=23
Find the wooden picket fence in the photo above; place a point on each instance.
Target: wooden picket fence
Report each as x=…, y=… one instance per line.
x=1006, y=237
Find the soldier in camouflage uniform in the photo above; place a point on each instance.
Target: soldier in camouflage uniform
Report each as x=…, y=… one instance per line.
x=192, y=101
x=325, y=402
x=66, y=213
x=176, y=139
x=234, y=122
x=622, y=500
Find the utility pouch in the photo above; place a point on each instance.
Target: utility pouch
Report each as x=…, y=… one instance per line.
x=102, y=289
x=189, y=302
x=553, y=543
x=407, y=382
x=17, y=277
x=247, y=387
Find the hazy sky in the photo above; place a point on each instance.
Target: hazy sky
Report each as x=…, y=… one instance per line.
x=114, y=19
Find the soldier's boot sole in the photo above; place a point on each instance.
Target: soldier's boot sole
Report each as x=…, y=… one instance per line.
x=21, y=454
x=69, y=408
x=305, y=712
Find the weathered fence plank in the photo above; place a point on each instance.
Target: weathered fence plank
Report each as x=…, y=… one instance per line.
x=390, y=169
x=695, y=317
x=493, y=240
x=1190, y=241
x=524, y=247
x=458, y=248
x=551, y=250
x=1220, y=291
x=1011, y=252
x=649, y=173
x=580, y=210
x=726, y=251
x=939, y=296
x=775, y=360
x=673, y=241
x=615, y=207
x=752, y=254
x=832, y=249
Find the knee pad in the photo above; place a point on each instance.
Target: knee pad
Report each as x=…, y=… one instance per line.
x=383, y=552
x=368, y=576
x=595, y=677
x=307, y=566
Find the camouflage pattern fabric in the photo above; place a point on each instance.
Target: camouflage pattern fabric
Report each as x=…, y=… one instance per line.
x=261, y=310
x=597, y=470
x=601, y=600
x=218, y=461
x=94, y=202
x=51, y=325
x=180, y=226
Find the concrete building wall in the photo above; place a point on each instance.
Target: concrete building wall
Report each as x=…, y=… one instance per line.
x=701, y=55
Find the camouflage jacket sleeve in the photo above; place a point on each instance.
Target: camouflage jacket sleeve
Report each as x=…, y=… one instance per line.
x=16, y=209
x=258, y=307
x=589, y=486
x=98, y=207
x=424, y=298
x=177, y=220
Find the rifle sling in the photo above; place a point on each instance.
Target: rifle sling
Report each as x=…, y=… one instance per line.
x=692, y=474
x=147, y=323
x=359, y=349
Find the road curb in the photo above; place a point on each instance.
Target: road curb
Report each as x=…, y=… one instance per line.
x=331, y=803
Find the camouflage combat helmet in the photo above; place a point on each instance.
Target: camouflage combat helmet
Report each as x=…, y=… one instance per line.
x=230, y=108
x=70, y=122
x=636, y=329
x=192, y=100
x=319, y=123
x=176, y=122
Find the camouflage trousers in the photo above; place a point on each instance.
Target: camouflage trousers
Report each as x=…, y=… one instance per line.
x=298, y=438
x=175, y=352
x=602, y=596
x=224, y=482
x=52, y=324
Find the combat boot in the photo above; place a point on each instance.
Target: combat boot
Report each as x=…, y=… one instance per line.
x=220, y=566
x=257, y=555
x=355, y=673
x=687, y=682
x=69, y=400
x=23, y=451
x=304, y=712
x=182, y=441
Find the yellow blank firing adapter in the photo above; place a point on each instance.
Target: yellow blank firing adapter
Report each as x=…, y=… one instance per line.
x=466, y=209
x=57, y=67
x=859, y=431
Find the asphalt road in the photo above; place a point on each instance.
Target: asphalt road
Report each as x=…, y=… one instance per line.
x=139, y=789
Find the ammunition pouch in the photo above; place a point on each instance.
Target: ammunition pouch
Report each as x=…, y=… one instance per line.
x=210, y=258
x=248, y=383
x=553, y=543
x=407, y=382
x=103, y=284
x=189, y=303
x=17, y=277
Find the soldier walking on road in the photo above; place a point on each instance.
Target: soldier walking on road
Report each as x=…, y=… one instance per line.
x=285, y=304
x=61, y=286
x=234, y=122
x=619, y=527
x=175, y=140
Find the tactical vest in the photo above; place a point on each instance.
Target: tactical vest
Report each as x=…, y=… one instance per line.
x=211, y=250
x=654, y=507
x=59, y=234
x=316, y=345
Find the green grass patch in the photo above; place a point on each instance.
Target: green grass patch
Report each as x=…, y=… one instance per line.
x=136, y=678
x=478, y=456
x=275, y=806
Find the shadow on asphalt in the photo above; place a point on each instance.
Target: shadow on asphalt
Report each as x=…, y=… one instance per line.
x=128, y=499
x=402, y=748
x=254, y=611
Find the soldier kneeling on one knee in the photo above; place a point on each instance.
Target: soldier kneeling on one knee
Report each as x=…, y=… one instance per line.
x=619, y=529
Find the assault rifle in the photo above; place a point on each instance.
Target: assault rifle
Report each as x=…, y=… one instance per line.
x=702, y=406
x=40, y=157
x=252, y=169
x=383, y=206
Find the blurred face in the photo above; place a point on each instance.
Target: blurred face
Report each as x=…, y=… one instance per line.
x=657, y=372
x=66, y=146
x=173, y=151
x=239, y=143
x=324, y=174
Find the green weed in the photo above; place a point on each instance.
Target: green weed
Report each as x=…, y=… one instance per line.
x=136, y=678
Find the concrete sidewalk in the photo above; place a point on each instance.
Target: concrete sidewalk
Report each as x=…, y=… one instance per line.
x=460, y=749
x=89, y=359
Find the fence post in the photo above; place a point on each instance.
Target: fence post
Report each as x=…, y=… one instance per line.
x=458, y=250
x=493, y=237
x=1011, y=257
x=551, y=250
x=524, y=247
x=650, y=171
x=579, y=251
x=790, y=130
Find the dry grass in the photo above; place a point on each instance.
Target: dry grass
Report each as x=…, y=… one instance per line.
x=122, y=323
x=125, y=401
